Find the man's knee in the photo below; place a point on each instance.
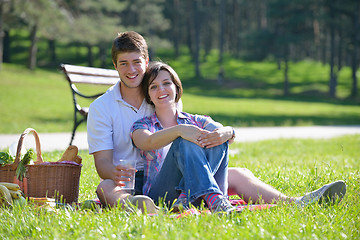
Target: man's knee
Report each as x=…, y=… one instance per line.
x=109, y=193
x=103, y=190
x=242, y=173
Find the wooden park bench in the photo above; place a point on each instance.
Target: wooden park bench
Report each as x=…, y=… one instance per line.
x=85, y=75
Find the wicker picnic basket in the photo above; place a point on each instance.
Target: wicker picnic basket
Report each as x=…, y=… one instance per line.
x=44, y=179
x=7, y=172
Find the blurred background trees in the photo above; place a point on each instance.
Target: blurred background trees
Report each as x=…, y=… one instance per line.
x=278, y=30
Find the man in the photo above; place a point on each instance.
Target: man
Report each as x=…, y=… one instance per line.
x=112, y=115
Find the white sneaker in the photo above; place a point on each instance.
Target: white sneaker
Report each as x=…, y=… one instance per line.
x=143, y=203
x=328, y=193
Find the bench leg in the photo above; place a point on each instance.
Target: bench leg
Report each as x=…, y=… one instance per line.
x=76, y=124
x=73, y=134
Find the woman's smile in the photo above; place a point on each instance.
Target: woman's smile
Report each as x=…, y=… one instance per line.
x=162, y=89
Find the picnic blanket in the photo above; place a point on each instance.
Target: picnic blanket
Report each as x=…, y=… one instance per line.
x=240, y=205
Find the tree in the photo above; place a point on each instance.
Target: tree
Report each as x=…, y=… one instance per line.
x=351, y=26
x=2, y=3
x=355, y=52
x=39, y=16
x=291, y=26
x=95, y=23
x=136, y=17
x=332, y=28
x=196, y=21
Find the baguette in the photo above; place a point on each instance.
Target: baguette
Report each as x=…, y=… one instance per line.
x=70, y=154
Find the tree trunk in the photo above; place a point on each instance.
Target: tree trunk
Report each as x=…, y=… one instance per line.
x=333, y=78
x=90, y=56
x=286, y=77
x=176, y=29
x=237, y=29
x=52, y=50
x=197, y=39
x=1, y=33
x=33, y=48
x=222, y=31
x=354, y=58
x=102, y=55
x=6, y=47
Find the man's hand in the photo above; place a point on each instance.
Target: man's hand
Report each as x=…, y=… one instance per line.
x=107, y=170
x=122, y=174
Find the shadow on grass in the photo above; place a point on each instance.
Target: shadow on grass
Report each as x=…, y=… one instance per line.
x=254, y=89
x=248, y=120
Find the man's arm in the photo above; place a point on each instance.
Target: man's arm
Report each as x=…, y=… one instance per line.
x=107, y=170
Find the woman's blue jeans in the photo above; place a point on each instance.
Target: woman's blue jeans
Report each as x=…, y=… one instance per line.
x=190, y=168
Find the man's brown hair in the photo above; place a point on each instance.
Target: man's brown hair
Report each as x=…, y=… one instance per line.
x=129, y=42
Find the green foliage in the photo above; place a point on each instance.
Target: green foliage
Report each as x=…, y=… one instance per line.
x=5, y=158
x=292, y=166
x=21, y=168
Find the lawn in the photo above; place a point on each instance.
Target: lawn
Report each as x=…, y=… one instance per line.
x=42, y=99
x=293, y=166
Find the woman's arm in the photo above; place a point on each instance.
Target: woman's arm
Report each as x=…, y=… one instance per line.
x=217, y=137
x=146, y=140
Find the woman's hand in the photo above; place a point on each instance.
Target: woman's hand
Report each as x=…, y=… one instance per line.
x=216, y=137
x=192, y=133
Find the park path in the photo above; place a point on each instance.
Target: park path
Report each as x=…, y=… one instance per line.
x=60, y=141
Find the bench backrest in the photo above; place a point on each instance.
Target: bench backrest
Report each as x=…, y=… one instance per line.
x=90, y=75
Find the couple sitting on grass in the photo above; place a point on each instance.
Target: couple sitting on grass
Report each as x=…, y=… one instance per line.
x=182, y=158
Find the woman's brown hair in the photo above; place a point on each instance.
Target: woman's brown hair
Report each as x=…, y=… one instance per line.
x=152, y=72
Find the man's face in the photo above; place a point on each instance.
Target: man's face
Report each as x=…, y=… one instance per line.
x=131, y=67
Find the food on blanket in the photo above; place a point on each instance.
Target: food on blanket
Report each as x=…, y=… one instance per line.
x=42, y=201
x=89, y=204
x=5, y=158
x=10, y=186
x=21, y=169
x=10, y=194
x=5, y=197
x=78, y=159
x=70, y=154
x=21, y=201
x=15, y=194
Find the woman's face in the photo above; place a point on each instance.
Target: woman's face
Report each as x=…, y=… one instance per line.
x=162, y=90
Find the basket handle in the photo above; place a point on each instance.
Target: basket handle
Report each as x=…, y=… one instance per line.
x=20, y=143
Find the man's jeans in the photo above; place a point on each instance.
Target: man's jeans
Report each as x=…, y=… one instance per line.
x=190, y=168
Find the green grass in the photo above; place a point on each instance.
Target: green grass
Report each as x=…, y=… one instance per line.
x=41, y=99
x=293, y=166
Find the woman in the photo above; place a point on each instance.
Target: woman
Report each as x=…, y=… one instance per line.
x=171, y=144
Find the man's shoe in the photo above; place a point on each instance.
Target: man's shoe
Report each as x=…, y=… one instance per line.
x=180, y=205
x=328, y=193
x=223, y=206
x=144, y=203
